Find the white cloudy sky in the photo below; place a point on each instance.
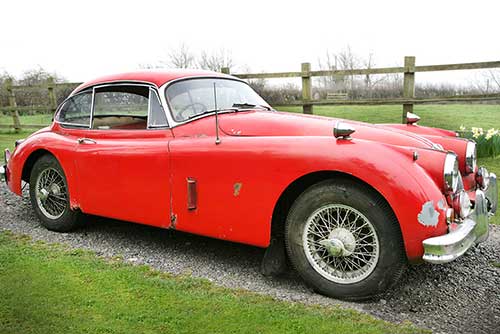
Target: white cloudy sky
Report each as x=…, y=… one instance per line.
x=83, y=39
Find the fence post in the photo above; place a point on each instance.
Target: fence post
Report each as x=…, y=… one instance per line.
x=306, y=88
x=13, y=104
x=51, y=94
x=225, y=70
x=408, y=85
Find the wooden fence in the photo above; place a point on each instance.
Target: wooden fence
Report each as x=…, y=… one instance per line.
x=14, y=109
x=407, y=101
x=408, y=69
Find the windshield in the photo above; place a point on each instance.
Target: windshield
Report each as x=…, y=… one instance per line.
x=193, y=97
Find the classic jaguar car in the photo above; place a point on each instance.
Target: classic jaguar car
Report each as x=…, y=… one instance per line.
x=348, y=204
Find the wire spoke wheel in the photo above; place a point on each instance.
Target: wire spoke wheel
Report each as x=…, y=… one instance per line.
x=51, y=193
x=341, y=244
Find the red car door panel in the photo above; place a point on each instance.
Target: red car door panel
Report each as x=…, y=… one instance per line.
x=125, y=174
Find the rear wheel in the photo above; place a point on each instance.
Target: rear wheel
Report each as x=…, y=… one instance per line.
x=344, y=240
x=50, y=197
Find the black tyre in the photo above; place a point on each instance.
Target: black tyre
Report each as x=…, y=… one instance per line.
x=344, y=240
x=50, y=197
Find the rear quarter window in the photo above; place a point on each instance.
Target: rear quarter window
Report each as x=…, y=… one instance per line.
x=76, y=110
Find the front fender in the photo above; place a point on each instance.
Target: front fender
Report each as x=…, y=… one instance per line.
x=406, y=185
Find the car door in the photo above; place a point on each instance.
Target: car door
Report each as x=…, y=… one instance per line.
x=123, y=159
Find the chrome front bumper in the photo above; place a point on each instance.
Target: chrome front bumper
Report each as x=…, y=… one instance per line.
x=474, y=229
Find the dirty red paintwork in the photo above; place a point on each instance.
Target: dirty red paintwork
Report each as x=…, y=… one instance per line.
x=142, y=175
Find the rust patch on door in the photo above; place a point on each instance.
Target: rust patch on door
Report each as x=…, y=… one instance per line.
x=237, y=188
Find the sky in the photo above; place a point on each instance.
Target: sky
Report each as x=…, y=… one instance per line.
x=84, y=39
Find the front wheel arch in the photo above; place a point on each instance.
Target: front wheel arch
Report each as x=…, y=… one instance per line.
x=300, y=185
x=385, y=264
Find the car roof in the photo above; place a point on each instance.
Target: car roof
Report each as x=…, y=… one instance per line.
x=154, y=77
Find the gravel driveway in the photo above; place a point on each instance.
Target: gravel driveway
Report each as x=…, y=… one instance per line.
x=460, y=297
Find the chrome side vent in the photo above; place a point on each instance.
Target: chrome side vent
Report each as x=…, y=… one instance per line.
x=343, y=131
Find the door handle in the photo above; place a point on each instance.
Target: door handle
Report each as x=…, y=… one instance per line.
x=86, y=141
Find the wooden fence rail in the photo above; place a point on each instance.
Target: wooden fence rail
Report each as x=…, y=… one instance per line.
x=14, y=109
x=407, y=101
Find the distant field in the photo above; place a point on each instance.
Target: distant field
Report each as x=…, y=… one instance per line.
x=448, y=116
x=31, y=119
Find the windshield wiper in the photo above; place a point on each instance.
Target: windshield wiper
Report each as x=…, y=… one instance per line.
x=250, y=105
x=211, y=111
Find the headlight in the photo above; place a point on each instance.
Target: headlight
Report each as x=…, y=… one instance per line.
x=482, y=177
x=470, y=157
x=451, y=172
x=462, y=204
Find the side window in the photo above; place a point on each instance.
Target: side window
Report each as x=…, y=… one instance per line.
x=121, y=107
x=157, y=116
x=76, y=110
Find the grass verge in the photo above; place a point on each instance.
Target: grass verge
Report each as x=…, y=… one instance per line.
x=48, y=288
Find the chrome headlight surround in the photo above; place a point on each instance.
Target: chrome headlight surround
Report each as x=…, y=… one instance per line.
x=470, y=157
x=462, y=204
x=451, y=173
x=483, y=178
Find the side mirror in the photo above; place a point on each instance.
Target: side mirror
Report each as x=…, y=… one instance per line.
x=343, y=130
x=412, y=118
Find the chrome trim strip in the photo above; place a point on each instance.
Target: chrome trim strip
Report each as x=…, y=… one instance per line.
x=114, y=82
x=92, y=106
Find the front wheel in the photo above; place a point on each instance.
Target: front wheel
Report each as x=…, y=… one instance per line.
x=344, y=240
x=50, y=197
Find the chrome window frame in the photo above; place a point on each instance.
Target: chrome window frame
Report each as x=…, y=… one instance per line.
x=162, y=90
x=151, y=88
x=150, y=111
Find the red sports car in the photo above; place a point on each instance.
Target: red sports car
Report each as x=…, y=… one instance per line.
x=348, y=203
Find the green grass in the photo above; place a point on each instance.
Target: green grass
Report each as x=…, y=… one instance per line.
x=51, y=289
x=447, y=116
x=493, y=165
x=28, y=119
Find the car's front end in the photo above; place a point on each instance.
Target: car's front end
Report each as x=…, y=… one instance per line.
x=471, y=194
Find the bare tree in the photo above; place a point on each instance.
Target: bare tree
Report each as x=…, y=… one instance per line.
x=370, y=82
x=215, y=60
x=181, y=57
x=343, y=60
x=38, y=76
